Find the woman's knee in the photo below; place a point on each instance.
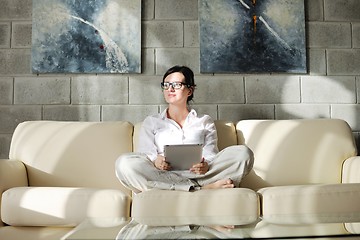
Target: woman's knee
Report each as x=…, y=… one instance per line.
x=248, y=158
x=128, y=163
x=242, y=155
x=241, y=150
x=249, y=152
x=248, y=155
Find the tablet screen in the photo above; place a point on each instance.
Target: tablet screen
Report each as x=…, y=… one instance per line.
x=183, y=156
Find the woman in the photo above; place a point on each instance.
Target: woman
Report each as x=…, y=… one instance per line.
x=179, y=124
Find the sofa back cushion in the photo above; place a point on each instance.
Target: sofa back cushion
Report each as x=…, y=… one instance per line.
x=137, y=127
x=225, y=130
x=71, y=154
x=291, y=152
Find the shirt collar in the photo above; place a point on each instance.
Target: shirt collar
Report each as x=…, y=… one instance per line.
x=192, y=113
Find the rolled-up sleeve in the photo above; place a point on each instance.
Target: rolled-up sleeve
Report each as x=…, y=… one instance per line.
x=210, y=148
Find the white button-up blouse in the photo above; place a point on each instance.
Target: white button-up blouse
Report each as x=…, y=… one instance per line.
x=158, y=130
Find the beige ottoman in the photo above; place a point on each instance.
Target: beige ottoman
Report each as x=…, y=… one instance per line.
x=236, y=206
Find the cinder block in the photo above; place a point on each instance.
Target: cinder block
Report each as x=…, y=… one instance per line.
x=148, y=61
x=175, y=9
x=356, y=35
x=317, y=61
x=147, y=9
x=15, y=9
x=348, y=112
x=219, y=89
x=99, y=89
x=12, y=115
x=343, y=61
x=163, y=34
x=21, y=34
x=131, y=113
x=15, y=61
x=5, y=140
x=342, y=10
x=5, y=35
x=208, y=109
x=72, y=113
x=296, y=111
x=272, y=89
x=6, y=90
x=314, y=10
x=191, y=34
x=328, y=89
x=166, y=58
x=145, y=90
x=329, y=35
x=237, y=112
x=42, y=90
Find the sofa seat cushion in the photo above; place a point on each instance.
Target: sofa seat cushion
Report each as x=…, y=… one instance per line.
x=235, y=206
x=311, y=203
x=57, y=206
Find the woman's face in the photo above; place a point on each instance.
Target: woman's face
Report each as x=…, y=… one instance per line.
x=176, y=96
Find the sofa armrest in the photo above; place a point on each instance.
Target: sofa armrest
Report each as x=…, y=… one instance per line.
x=12, y=174
x=351, y=170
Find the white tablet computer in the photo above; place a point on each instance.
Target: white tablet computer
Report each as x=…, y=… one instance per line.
x=183, y=156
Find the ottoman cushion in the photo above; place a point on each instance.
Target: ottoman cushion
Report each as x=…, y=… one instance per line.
x=236, y=206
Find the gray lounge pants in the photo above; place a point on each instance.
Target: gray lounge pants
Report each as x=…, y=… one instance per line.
x=138, y=173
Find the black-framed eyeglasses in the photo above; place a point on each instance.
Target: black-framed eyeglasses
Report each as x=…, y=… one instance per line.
x=175, y=85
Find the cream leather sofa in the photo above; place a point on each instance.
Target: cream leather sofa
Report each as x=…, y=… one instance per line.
x=60, y=173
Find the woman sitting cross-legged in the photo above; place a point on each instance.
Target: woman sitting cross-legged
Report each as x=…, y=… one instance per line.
x=180, y=124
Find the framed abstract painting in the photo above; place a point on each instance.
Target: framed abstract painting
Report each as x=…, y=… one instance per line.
x=86, y=36
x=252, y=36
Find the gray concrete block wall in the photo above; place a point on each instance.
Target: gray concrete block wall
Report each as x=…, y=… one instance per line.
x=338, y=62
x=21, y=34
x=356, y=35
x=170, y=35
x=329, y=35
x=272, y=89
x=329, y=89
x=99, y=90
x=6, y=90
x=5, y=30
x=340, y=10
x=41, y=90
x=15, y=10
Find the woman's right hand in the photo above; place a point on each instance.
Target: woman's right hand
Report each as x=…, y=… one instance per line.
x=160, y=163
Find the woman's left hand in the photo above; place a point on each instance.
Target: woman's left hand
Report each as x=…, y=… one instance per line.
x=200, y=168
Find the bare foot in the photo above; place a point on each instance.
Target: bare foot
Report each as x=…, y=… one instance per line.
x=224, y=183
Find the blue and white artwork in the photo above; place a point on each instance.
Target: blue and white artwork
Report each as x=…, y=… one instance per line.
x=252, y=36
x=86, y=36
